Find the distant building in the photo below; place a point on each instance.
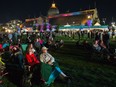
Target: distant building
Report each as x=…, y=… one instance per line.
x=12, y=26
x=53, y=10
x=84, y=18
x=73, y=18
x=38, y=21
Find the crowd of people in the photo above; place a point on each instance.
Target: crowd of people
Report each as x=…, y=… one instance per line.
x=100, y=45
x=91, y=34
x=31, y=51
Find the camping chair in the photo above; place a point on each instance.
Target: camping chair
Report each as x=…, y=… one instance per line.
x=24, y=47
x=1, y=61
x=47, y=71
x=27, y=74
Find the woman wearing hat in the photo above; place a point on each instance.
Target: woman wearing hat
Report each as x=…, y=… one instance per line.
x=46, y=58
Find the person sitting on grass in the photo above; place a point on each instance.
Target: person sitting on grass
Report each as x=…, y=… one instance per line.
x=6, y=44
x=37, y=45
x=1, y=49
x=86, y=45
x=104, y=49
x=41, y=41
x=61, y=43
x=17, y=57
x=6, y=55
x=48, y=44
x=30, y=46
x=34, y=66
x=96, y=46
x=47, y=58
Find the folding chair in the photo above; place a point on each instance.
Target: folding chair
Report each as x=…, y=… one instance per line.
x=24, y=47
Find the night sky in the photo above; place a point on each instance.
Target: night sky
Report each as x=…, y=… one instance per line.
x=21, y=9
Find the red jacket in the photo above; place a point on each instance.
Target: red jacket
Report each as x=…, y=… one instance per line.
x=0, y=46
x=31, y=59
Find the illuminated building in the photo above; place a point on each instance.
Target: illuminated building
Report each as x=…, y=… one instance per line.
x=75, y=18
x=53, y=10
x=80, y=18
x=12, y=26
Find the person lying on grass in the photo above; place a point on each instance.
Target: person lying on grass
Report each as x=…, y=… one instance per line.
x=46, y=58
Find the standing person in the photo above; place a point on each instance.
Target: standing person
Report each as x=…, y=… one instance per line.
x=88, y=34
x=97, y=36
x=82, y=34
x=79, y=35
x=46, y=58
x=101, y=35
x=73, y=35
x=106, y=39
x=92, y=35
x=110, y=33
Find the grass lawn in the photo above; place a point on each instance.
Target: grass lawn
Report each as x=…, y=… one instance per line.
x=85, y=72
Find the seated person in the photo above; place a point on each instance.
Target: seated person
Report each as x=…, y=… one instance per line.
x=34, y=66
x=61, y=43
x=102, y=44
x=96, y=46
x=48, y=44
x=17, y=57
x=30, y=46
x=41, y=41
x=37, y=45
x=31, y=58
x=5, y=44
x=104, y=49
x=46, y=58
x=1, y=49
x=86, y=45
x=6, y=55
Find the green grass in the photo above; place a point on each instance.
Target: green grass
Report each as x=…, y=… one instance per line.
x=85, y=72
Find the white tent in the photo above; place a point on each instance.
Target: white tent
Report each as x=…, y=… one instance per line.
x=97, y=24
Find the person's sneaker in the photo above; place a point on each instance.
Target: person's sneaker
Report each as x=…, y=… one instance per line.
x=46, y=84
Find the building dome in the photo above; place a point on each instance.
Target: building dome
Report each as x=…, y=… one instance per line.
x=53, y=10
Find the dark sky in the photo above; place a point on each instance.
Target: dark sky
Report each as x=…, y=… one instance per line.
x=21, y=9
